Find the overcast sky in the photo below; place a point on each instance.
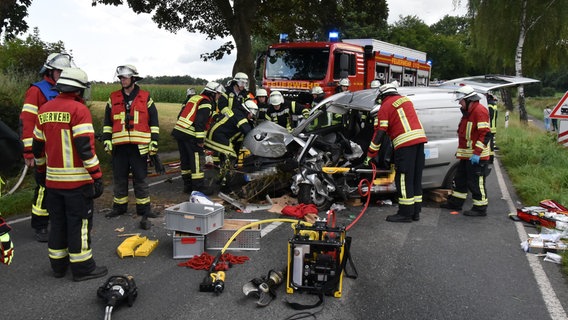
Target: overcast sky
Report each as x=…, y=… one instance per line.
x=103, y=37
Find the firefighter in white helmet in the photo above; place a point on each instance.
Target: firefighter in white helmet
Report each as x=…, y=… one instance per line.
x=375, y=84
x=64, y=149
x=262, y=103
x=38, y=94
x=474, y=136
x=131, y=133
x=189, y=131
x=343, y=85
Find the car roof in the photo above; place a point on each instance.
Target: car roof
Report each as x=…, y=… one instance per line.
x=486, y=83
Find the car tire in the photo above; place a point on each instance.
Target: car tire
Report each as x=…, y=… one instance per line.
x=450, y=176
x=308, y=195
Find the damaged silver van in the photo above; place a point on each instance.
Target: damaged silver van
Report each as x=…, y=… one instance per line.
x=339, y=129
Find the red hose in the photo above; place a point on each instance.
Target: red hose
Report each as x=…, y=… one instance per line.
x=367, y=194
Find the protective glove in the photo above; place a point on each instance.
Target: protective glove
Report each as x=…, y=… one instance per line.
x=98, y=188
x=153, y=147
x=474, y=159
x=6, y=249
x=306, y=113
x=367, y=161
x=108, y=146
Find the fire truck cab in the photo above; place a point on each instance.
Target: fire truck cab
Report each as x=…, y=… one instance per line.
x=295, y=67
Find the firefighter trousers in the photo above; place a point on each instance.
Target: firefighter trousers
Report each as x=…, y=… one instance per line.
x=191, y=162
x=71, y=216
x=409, y=164
x=126, y=159
x=40, y=215
x=470, y=177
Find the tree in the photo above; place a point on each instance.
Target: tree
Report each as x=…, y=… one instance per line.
x=12, y=14
x=540, y=28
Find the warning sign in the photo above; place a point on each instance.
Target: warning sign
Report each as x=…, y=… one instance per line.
x=561, y=109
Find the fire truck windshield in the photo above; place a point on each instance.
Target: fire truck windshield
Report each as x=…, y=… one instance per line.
x=297, y=64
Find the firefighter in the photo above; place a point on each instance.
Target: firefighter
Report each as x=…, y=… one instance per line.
x=397, y=119
x=474, y=135
x=130, y=133
x=235, y=93
x=262, y=103
x=230, y=128
x=343, y=85
x=64, y=150
x=286, y=114
x=189, y=131
x=375, y=84
x=38, y=94
x=493, y=113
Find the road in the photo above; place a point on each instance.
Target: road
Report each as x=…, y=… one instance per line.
x=446, y=266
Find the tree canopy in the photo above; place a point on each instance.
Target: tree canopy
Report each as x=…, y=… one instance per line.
x=12, y=17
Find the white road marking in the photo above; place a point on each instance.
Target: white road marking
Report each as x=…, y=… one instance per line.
x=553, y=305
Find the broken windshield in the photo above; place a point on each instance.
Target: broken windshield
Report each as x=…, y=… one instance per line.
x=297, y=64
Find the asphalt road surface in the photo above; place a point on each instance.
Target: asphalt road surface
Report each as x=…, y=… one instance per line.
x=446, y=266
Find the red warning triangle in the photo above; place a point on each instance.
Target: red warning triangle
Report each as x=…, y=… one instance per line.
x=561, y=109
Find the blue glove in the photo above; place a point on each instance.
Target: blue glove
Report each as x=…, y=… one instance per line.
x=474, y=159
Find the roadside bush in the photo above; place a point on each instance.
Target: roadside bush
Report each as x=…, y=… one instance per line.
x=12, y=90
x=547, y=92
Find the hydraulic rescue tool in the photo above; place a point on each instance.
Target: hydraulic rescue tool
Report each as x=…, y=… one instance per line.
x=116, y=290
x=264, y=288
x=214, y=282
x=317, y=257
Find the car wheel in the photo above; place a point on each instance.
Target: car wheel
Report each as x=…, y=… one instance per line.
x=307, y=194
x=450, y=176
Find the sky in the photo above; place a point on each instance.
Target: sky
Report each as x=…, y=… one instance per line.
x=103, y=37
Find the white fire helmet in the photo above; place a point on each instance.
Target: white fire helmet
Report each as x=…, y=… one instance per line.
x=251, y=107
x=241, y=79
x=466, y=92
x=375, y=84
x=276, y=98
x=72, y=79
x=317, y=90
x=128, y=71
x=344, y=82
x=261, y=92
x=57, y=61
x=214, y=87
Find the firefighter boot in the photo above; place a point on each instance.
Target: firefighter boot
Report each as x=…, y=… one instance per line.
x=476, y=211
x=404, y=214
x=417, y=210
x=117, y=210
x=187, y=187
x=452, y=204
x=145, y=210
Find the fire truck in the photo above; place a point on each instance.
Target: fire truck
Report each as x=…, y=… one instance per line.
x=295, y=67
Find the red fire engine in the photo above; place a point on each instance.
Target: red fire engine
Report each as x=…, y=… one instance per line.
x=295, y=67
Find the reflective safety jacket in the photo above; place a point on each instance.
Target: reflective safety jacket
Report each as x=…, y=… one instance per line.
x=64, y=143
x=474, y=132
x=493, y=112
x=193, y=119
x=228, y=129
x=37, y=94
x=131, y=119
x=398, y=119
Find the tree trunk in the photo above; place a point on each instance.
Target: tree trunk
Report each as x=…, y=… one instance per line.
x=507, y=100
x=519, y=62
x=239, y=20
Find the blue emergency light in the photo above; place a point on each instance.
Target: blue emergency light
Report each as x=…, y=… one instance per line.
x=283, y=37
x=333, y=36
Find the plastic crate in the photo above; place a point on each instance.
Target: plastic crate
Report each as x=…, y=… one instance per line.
x=194, y=218
x=248, y=239
x=187, y=245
